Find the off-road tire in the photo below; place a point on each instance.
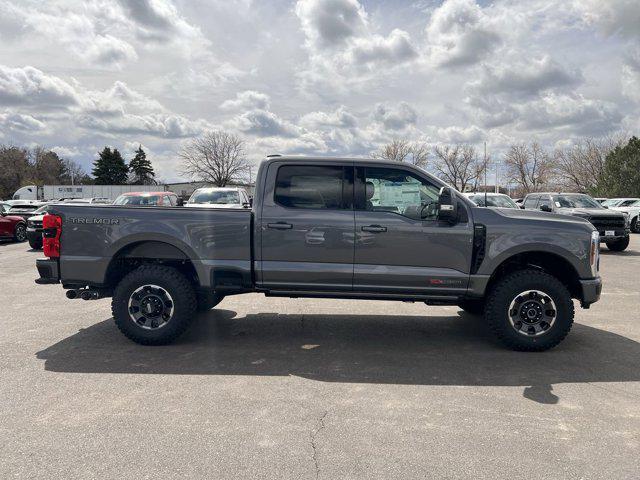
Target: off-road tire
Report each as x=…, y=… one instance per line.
x=20, y=233
x=171, y=280
x=618, y=245
x=472, y=307
x=35, y=245
x=208, y=300
x=503, y=293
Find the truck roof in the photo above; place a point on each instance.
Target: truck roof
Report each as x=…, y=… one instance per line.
x=304, y=158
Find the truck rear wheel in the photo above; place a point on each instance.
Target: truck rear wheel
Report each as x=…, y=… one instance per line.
x=529, y=310
x=153, y=304
x=618, y=245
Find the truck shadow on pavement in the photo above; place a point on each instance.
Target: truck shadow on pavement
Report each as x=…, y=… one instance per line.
x=452, y=350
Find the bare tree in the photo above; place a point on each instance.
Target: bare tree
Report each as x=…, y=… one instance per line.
x=581, y=166
x=416, y=153
x=529, y=166
x=458, y=165
x=217, y=157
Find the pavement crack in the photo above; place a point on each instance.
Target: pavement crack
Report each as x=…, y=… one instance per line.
x=314, y=448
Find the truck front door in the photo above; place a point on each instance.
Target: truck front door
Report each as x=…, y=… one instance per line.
x=401, y=247
x=307, y=227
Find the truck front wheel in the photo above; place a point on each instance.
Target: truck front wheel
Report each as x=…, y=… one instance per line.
x=618, y=245
x=529, y=310
x=153, y=304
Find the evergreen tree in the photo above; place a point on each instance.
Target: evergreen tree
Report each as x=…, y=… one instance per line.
x=621, y=177
x=110, y=168
x=141, y=169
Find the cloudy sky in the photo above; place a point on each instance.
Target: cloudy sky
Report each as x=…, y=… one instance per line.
x=330, y=77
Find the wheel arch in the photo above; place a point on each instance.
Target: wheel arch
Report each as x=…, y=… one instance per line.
x=144, y=252
x=552, y=263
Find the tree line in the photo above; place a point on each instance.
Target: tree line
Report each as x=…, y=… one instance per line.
x=20, y=166
x=603, y=167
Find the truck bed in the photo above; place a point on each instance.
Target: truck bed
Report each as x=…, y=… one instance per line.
x=92, y=236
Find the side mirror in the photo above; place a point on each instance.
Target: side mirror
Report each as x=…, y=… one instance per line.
x=180, y=202
x=246, y=205
x=447, y=206
x=545, y=208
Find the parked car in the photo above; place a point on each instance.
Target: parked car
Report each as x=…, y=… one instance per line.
x=600, y=200
x=89, y=201
x=12, y=226
x=34, y=227
x=24, y=210
x=612, y=226
x=619, y=202
x=492, y=200
x=149, y=199
x=219, y=197
x=330, y=228
x=633, y=210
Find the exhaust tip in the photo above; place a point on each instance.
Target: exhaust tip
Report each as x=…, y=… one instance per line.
x=87, y=295
x=71, y=294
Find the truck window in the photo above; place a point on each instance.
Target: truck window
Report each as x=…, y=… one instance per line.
x=531, y=201
x=399, y=191
x=311, y=186
x=545, y=200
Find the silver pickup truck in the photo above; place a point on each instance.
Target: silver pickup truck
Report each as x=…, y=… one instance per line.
x=329, y=228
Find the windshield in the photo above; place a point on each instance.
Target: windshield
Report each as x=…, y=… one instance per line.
x=502, y=201
x=42, y=210
x=612, y=202
x=575, y=201
x=149, y=200
x=219, y=197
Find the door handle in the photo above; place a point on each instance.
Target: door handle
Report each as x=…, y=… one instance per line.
x=374, y=228
x=280, y=226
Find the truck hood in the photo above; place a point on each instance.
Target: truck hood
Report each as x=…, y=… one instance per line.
x=590, y=212
x=540, y=216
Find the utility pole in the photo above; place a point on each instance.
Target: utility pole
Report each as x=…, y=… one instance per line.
x=497, y=189
x=485, y=173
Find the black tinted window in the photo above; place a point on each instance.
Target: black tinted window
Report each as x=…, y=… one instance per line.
x=311, y=187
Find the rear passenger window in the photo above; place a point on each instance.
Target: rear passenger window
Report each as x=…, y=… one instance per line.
x=311, y=186
x=530, y=201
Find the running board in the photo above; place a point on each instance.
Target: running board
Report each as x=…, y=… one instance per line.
x=402, y=297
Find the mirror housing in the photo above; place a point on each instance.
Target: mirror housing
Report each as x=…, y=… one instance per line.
x=447, y=206
x=546, y=208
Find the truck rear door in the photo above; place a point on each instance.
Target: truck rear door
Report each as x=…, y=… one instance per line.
x=307, y=226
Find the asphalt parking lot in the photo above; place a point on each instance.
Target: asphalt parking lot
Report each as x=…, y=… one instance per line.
x=280, y=388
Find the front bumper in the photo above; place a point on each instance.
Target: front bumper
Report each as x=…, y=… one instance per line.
x=34, y=234
x=618, y=234
x=49, y=271
x=590, y=291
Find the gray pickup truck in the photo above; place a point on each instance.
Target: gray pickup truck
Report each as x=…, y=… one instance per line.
x=329, y=228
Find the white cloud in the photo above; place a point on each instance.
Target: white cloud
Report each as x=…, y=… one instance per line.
x=29, y=86
x=19, y=121
x=340, y=118
x=611, y=16
x=247, y=100
x=456, y=134
x=340, y=39
x=264, y=123
x=395, y=117
x=330, y=23
x=525, y=77
x=460, y=33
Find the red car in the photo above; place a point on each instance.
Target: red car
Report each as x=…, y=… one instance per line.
x=12, y=226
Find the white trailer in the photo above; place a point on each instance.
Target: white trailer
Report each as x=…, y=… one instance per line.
x=55, y=192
